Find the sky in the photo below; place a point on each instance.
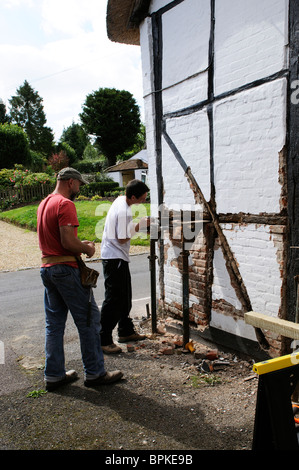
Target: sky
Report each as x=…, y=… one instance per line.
x=61, y=48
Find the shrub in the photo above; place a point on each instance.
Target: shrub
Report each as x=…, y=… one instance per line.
x=89, y=166
x=98, y=188
x=69, y=151
x=14, y=146
x=59, y=160
x=38, y=161
x=6, y=178
x=35, y=179
x=19, y=177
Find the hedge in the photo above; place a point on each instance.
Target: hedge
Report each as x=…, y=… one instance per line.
x=98, y=188
x=89, y=166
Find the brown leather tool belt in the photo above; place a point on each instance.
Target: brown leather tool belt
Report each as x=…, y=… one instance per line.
x=58, y=259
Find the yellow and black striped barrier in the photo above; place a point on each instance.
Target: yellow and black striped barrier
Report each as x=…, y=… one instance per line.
x=275, y=426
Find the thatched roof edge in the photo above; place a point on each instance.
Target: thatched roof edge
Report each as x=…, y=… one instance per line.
x=123, y=19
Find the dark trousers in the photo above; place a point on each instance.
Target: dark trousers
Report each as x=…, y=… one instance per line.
x=118, y=300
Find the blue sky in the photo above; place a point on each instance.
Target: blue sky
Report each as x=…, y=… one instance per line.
x=61, y=48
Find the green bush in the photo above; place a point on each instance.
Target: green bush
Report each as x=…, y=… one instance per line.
x=14, y=146
x=17, y=177
x=89, y=166
x=98, y=188
x=6, y=178
x=38, y=161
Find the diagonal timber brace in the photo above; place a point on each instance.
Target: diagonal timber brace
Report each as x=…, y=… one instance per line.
x=231, y=262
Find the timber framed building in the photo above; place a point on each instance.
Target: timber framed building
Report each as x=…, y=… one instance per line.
x=220, y=80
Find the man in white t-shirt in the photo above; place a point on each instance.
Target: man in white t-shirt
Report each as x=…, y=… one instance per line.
x=115, y=247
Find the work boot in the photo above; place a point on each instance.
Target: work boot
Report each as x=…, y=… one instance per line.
x=132, y=337
x=108, y=378
x=70, y=377
x=111, y=349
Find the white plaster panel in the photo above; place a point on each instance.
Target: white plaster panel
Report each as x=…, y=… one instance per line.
x=251, y=40
x=257, y=256
x=222, y=288
x=151, y=153
x=173, y=279
x=190, y=134
x=185, y=94
x=155, y=5
x=249, y=133
x=229, y=324
x=186, y=32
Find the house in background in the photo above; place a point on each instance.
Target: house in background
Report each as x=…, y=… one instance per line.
x=219, y=78
x=135, y=167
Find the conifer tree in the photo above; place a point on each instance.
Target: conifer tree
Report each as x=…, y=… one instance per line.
x=27, y=111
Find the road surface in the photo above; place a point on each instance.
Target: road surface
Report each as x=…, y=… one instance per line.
x=22, y=317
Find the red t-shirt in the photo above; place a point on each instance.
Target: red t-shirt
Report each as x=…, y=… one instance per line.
x=53, y=212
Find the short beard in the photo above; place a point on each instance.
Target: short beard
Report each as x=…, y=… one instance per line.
x=73, y=196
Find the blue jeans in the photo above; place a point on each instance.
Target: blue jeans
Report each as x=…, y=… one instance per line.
x=63, y=293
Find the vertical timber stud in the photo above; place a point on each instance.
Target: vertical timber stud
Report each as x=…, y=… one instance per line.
x=157, y=48
x=157, y=67
x=210, y=110
x=293, y=161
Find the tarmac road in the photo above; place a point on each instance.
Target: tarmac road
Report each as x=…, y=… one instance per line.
x=155, y=410
x=22, y=318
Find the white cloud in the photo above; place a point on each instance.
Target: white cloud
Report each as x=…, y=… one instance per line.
x=17, y=3
x=64, y=53
x=71, y=16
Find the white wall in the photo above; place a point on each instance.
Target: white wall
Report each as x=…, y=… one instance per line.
x=116, y=176
x=185, y=53
x=250, y=41
x=249, y=130
x=258, y=250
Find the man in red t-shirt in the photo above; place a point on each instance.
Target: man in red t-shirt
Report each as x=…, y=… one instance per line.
x=57, y=225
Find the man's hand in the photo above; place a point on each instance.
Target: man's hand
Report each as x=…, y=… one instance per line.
x=71, y=243
x=143, y=224
x=91, y=248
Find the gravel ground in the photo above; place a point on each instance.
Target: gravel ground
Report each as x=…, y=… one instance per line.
x=169, y=399
x=164, y=402
x=20, y=250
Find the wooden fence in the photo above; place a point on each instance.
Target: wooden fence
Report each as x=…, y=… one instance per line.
x=25, y=194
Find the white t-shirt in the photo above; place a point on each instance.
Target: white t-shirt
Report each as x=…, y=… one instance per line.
x=118, y=225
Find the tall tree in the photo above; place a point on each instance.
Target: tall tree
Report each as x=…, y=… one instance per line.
x=76, y=137
x=113, y=117
x=3, y=116
x=27, y=111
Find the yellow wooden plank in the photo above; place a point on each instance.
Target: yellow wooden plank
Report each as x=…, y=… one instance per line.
x=276, y=363
x=277, y=325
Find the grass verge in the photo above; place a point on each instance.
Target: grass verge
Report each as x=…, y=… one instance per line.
x=91, y=215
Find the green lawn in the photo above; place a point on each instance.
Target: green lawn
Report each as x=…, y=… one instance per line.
x=91, y=215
